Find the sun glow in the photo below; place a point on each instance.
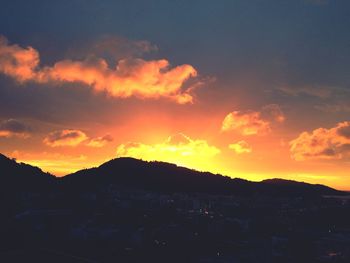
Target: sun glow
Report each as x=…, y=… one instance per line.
x=178, y=149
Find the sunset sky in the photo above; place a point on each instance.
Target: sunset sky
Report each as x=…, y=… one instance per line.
x=247, y=88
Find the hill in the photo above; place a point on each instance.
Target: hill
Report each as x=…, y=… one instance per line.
x=16, y=176
x=152, y=176
x=166, y=177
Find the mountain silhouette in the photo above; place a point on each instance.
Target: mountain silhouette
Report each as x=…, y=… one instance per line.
x=152, y=176
x=167, y=177
x=129, y=210
x=16, y=176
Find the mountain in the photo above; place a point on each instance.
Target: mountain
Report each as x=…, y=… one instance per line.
x=166, y=177
x=69, y=216
x=290, y=186
x=153, y=176
x=20, y=176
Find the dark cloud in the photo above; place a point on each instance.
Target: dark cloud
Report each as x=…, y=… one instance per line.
x=315, y=91
x=333, y=108
x=14, y=127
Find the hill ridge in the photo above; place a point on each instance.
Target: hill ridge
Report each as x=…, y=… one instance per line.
x=154, y=176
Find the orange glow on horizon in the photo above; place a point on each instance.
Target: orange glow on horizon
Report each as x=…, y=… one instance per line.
x=192, y=153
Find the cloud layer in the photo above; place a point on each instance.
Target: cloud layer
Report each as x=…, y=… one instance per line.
x=130, y=76
x=322, y=143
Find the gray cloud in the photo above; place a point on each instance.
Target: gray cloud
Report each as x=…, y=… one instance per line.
x=12, y=127
x=112, y=48
x=315, y=91
x=333, y=108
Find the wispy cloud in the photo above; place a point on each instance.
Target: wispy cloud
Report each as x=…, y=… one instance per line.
x=333, y=108
x=315, y=91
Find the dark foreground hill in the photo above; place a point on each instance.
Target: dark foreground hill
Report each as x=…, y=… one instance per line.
x=153, y=176
x=16, y=176
x=166, y=177
x=128, y=210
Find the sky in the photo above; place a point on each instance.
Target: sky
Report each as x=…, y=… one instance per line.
x=254, y=89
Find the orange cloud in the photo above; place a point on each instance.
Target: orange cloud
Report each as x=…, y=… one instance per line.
x=12, y=127
x=249, y=123
x=65, y=138
x=322, y=143
x=100, y=141
x=179, y=149
x=253, y=122
x=240, y=147
x=130, y=77
x=17, y=62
